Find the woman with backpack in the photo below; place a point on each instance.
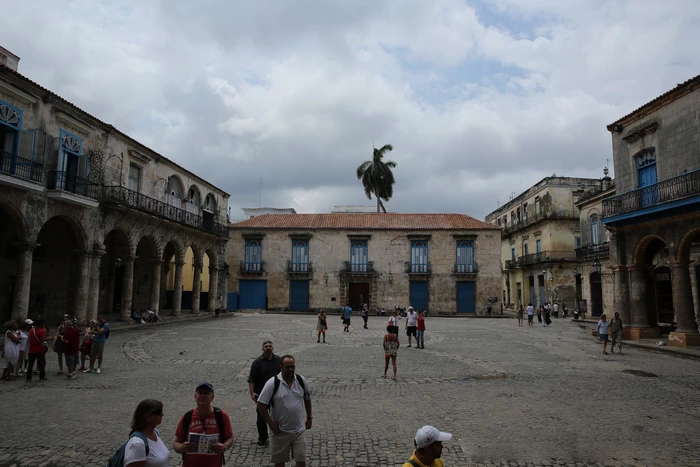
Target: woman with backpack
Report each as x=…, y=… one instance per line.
x=145, y=448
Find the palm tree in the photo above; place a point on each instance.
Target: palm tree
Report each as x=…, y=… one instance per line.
x=377, y=177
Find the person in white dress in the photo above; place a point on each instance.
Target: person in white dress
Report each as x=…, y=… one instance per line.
x=148, y=415
x=23, y=346
x=11, y=350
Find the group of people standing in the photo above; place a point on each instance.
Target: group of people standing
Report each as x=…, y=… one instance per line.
x=544, y=313
x=28, y=341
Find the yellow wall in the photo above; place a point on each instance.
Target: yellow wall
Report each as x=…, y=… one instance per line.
x=188, y=273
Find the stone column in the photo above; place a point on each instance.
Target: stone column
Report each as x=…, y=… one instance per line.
x=94, y=288
x=20, y=299
x=639, y=312
x=155, y=284
x=683, y=299
x=164, y=272
x=83, y=283
x=177, y=290
x=196, y=287
x=213, y=286
x=108, y=306
x=127, y=287
x=621, y=294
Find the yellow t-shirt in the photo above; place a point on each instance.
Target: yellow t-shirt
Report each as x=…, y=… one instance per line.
x=436, y=462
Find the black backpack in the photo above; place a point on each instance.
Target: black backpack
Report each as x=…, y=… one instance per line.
x=277, y=386
x=218, y=414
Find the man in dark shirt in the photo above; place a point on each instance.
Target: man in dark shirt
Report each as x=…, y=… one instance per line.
x=263, y=368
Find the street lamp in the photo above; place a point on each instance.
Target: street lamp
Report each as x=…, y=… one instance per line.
x=596, y=266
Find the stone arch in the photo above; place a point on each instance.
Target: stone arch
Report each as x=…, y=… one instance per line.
x=682, y=256
x=154, y=243
x=175, y=191
x=197, y=253
x=213, y=257
x=16, y=220
x=177, y=247
x=75, y=226
x=210, y=203
x=641, y=249
x=13, y=233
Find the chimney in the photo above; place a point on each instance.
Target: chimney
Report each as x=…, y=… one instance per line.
x=8, y=59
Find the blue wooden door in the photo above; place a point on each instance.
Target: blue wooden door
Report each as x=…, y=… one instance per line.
x=418, y=295
x=466, y=297
x=232, y=301
x=647, y=182
x=253, y=295
x=299, y=295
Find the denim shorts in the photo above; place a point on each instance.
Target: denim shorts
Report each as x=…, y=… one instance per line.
x=603, y=338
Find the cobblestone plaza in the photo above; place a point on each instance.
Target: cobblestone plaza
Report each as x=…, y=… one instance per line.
x=509, y=395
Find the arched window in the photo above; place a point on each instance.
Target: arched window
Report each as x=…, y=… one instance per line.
x=174, y=192
x=194, y=200
x=595, y=229
x=210, y=203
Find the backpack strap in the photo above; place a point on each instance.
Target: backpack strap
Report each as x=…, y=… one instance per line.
x=219, y=415
x=186, y=420
x=412, y=463
x=142, y=437
x=274, y=391
x=301, y=383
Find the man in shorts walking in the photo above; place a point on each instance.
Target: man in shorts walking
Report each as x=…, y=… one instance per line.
x=616, y=331
x=530, y=314
x=285, y=404
x=411, y=324
x=101, y=334
x=347, y=314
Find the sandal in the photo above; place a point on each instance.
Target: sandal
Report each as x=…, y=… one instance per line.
x=59, y=373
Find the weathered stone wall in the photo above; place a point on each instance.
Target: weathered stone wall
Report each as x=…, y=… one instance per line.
x=676, y=140
x=389, y=250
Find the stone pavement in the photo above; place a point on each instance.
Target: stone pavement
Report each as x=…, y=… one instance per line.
x=511, y=396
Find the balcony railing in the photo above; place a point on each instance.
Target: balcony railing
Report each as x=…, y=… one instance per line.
x=299, y=268
x=472, y=268
x=673, y=189
x=68, y=182
x=358, y=268
x=533, y=258
x=256, y=267
x=512, y=264
x=20, y=167
x=602, y=250
x=125, y=197
x=418, y=268
x=533, y=219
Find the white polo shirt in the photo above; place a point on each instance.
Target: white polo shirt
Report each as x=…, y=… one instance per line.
x=412, y=318
x=289, y=409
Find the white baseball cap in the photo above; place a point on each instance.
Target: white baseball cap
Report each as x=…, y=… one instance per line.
x=429, y=434
x=29, y=321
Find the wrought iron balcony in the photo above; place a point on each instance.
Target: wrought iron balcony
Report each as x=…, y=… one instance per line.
x=673, y=189
x=467, y=268
x=512, y=264
x=358, y=268
x=535, y=218
x=19, y=167
x=534, y=258
x=70, y=183
x=123, y=196
x=299, y=268
x=601, y=250
x=418, y=268
x=252, y=267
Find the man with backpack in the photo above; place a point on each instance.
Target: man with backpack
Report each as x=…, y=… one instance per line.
x=101, y=334
x=428, y=442
x=285, y=404
x=204, y=419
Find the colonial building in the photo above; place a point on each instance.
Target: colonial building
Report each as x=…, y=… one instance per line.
x=538, y=242
x=91, y=220
x=444, y=263
x=594, y=274
x=655, y=217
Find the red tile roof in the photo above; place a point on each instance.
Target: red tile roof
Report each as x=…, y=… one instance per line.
x=365, y=221
x=674, y=93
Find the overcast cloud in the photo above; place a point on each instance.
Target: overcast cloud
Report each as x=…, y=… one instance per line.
x=478, y=98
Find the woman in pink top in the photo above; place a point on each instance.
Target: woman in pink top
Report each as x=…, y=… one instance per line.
x=421, y=330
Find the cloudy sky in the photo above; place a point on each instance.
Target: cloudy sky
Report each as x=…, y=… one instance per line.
x=479, y=98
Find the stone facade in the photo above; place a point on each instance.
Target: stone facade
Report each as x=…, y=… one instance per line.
x=90, y=219
x=655, y=217
x=386, y=281
x=538, y=241
x=595, y=278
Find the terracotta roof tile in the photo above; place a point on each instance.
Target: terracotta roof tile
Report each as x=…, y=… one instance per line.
x=365, y=221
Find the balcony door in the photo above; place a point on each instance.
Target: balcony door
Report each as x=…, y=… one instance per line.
x=646, y=177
